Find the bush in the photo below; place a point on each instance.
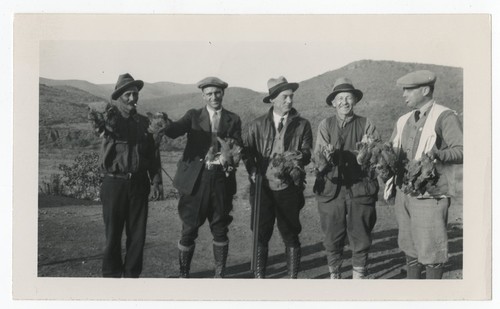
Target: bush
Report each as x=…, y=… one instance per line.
x=82, y=179
x=53, y=186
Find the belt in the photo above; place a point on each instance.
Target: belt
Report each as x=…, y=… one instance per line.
x=125, y=176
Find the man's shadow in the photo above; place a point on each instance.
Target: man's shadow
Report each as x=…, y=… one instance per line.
x=385, y=259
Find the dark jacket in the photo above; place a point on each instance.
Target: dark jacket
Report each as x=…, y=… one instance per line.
x=196, y=123
x=260, y=138
x=131, y=149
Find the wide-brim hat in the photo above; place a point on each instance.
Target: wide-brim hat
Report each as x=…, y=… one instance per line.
x=125, y=81
x=276, y=85
x=343, y=84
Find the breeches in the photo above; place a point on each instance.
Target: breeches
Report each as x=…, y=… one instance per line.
x=351, y=217
x=211, y=201
x=283, y=207
x=124, y=204
x=423, y=227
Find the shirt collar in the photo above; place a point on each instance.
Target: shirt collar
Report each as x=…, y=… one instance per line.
x=212, y=111
x=346, y=120
x=425, y=108
x=277, y=118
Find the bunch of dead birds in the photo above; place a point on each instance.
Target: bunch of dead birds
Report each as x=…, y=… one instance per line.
x=103, y=118
x=158, y=122
x=420, y=176
x=229, y=156
x=376, y=158
x=288, y=167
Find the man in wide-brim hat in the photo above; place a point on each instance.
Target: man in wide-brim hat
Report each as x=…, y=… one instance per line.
x=131, y=169
x=206, y=188
x=281, y=131
x=346, y=195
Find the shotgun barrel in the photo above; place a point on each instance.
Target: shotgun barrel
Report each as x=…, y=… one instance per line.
x=255, y=220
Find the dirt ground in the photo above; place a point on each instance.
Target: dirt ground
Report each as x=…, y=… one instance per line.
x=71, y=240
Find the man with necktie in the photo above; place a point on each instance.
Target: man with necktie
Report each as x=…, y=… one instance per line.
x=430, y=131
x=282, y=131
x=206, y=188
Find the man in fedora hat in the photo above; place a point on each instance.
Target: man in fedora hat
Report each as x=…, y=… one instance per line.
x=346, y=195
x=130, y=164
x=280, y=131
x=206, y=188
x=433, y=131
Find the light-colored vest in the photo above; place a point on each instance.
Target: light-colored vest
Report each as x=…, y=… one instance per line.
x=427, y=141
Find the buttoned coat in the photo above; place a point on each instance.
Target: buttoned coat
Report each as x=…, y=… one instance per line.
x=196, y=124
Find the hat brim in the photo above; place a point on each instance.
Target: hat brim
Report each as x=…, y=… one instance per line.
x=356, y=92
x=118, y=92
x=293, y=86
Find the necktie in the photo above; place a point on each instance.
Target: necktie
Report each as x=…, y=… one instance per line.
x=215, y=122
x=215, y=127
x=417, y=115
x=280, y=125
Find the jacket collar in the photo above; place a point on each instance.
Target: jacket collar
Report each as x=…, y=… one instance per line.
x=292, y=115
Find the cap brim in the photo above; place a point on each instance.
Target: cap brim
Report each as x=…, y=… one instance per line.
x=118, y=92
x=293, y=86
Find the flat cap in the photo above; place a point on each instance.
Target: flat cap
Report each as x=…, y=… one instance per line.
x=417, y=79
x=212, y=81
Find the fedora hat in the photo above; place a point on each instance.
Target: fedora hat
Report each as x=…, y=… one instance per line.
x=343, y=84
x=125, y=81
x=276, y=85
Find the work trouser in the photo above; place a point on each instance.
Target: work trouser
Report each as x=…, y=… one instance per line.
x=124, y=204
x=211, y=201
x=422, y=227
x=283, y=207
x=351, y=217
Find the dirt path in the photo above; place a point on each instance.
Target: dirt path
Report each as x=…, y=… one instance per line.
x=71, y=238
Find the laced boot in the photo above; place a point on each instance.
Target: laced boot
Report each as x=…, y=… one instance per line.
x=292, y=261
x=220, y=255
x=261, y=263
x=185, y=257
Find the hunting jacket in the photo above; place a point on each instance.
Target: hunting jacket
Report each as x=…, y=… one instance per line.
x=260, y=136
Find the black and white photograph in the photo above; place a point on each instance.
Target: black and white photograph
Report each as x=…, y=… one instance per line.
x=238, y=150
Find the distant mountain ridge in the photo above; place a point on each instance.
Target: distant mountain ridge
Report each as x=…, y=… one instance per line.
x=150, y=90
x=382, y=101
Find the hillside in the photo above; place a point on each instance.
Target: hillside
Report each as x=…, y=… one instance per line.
x=63, y=104
x=382, y=101
x=150, y=90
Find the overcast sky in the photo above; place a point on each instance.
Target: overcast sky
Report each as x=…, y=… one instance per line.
x=249, y=63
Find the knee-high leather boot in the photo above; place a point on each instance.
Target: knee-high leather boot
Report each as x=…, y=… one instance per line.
x=260, y=268
x=292, y=261
x=220, y=256
x=185, y=257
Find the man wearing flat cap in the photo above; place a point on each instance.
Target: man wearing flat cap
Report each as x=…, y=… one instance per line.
x=281, y=133
x=345, y=193
x=206, y=188
x=434, y=132
x=130, y=164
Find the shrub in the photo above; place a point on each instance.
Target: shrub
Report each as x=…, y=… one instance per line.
x=82, y=179
x=53, y=186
